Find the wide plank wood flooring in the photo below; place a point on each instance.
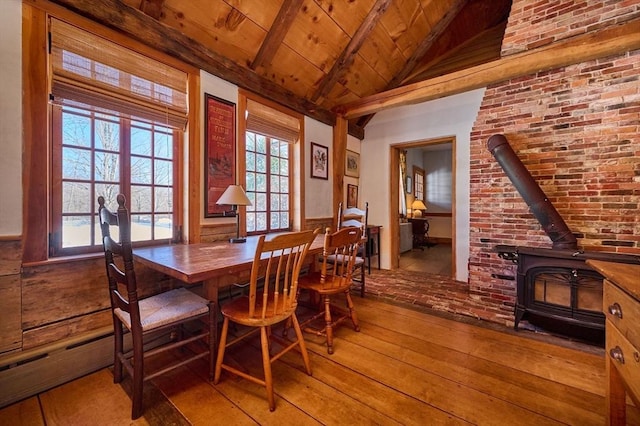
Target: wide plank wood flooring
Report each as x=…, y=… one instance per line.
x=405, y=366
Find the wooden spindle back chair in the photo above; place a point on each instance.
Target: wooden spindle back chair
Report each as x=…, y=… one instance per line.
x=272, y=298
x=358, y=218
x=335, y=277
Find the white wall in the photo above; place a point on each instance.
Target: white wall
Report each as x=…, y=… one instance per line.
x=438, y=188
x=451, y=116
x=318, y=192
x=11, y=118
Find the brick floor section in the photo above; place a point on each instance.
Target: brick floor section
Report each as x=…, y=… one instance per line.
x=437, y=292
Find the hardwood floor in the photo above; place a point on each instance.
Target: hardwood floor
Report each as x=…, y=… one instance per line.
x=405, y=366
x=431, y=260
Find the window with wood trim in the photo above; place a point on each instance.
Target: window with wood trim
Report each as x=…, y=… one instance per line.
x=418, y=183
x=268, y=183
x=269, y=140
x=117, y=120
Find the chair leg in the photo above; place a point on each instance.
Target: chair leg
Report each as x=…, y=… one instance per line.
x=138, y=378
x=221, y=348
x=301, y=343
x=266, y=365
x=117, y=351
x=328, y=325
x=352, y=311
x=213, y=328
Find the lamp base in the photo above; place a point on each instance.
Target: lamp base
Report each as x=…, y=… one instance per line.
x=238, y=240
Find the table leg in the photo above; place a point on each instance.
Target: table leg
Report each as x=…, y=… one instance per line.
x=210, y=290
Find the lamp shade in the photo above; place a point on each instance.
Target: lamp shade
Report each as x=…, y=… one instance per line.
x=416, y=208
x=234, y=195
x=418, y=205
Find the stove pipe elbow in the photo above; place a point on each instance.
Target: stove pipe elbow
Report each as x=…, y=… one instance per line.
x=552, y=223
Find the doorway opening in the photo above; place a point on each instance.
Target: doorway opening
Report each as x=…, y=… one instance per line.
x=436, y=157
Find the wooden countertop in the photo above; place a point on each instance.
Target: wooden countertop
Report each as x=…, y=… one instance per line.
x=625, y=275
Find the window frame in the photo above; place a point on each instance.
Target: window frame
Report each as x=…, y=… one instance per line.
x=419, y=183
x=297, y=155
x=268, y=185
x=38, y=126
x=126, y=127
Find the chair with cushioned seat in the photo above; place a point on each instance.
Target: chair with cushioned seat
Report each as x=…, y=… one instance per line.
x=174, y=319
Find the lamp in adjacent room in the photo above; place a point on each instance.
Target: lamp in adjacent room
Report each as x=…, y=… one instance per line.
x=416, y=208
x=235, y=196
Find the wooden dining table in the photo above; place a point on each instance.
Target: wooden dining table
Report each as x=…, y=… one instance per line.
x=215, y=265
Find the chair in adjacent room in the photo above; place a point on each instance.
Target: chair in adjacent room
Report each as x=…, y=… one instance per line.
x=272, y=299
x=358, y=218
x=420, y=230
x=334, y=278
x=174, y=319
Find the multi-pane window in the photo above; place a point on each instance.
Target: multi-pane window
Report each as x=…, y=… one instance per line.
x=117, y=121
x=268, y=182
x=418, y=183
x=97, y=152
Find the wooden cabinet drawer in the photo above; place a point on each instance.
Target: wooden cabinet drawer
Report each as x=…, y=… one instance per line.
x=623, y=312
x=627, y=360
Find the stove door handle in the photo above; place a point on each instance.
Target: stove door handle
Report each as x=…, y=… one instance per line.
x=615, y=309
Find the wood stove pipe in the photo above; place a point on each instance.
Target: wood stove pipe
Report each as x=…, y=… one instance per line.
x=551, y=221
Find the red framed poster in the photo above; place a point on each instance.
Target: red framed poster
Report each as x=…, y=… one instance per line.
x=219, y=153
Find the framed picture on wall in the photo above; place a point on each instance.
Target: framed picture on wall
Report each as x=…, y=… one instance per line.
x=219, y=152
x=352, y=195
x=319, y=161
x=352, y=164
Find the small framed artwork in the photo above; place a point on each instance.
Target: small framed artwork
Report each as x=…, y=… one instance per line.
x=319, y=161
x=409, y=187
x=352, y=164
x=352, y=196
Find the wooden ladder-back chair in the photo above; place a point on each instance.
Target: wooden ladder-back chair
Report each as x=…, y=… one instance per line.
x=358, y=218
x=272, y=299
x=335, y=277
x=156, y=323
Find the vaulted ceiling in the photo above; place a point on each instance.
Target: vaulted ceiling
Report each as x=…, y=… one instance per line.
x=314, y=55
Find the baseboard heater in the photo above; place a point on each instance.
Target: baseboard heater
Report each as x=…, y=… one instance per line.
x=30, y=372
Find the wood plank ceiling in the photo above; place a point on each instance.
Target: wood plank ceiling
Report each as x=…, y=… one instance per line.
x=313, y=55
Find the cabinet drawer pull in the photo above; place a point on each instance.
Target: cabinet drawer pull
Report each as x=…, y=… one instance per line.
x=615, y=309
x=616, y=353
x=636, y=356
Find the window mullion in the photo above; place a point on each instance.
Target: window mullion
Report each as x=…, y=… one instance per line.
x=268, y=189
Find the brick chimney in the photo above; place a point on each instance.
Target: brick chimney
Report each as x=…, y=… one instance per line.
x=576, y=129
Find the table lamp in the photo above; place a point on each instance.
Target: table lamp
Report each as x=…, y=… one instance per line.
x=235, y=196
x=416, y=208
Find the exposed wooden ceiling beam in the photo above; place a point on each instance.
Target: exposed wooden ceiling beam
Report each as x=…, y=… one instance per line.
x=342, y=64
x=427, y=42
x=475, y=21
x=417, y=57
x=152, y=8
x=116, y=14
x=277, y=32
x=593, y=45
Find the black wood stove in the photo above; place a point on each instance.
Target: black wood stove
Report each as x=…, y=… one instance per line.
x=556, y=289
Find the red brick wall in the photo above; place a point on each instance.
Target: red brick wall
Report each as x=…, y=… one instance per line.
x=576, y=129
